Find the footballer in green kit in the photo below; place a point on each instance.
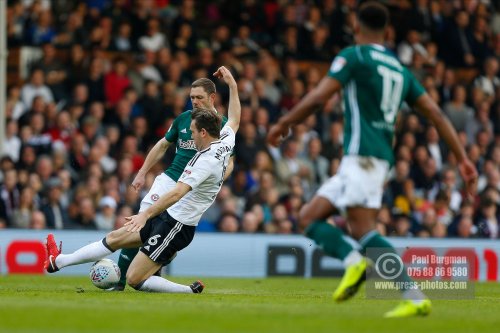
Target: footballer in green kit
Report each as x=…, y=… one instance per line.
x=374, y=85
x=202, y=95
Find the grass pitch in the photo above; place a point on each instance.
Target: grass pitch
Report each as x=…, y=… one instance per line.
x=71, y=304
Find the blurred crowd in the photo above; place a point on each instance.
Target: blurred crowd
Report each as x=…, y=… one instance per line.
x=113, y=74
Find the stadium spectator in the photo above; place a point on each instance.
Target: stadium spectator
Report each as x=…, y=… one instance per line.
x=54, y=71
x=402, y=226
x=105, y=217
x=10, y=196
x=487, y=220
x=122, y=41
x=95, y=80
x=290, y=165
x=154, y=40
x=457, y=110
x=85, y=213
x=116, y=81
x=228, y=223
x=41, y=31
x=411, y=45
x=21, y=215
x=457, y=46
x=318, y=164
x=479, y=123
x=36, y=87
x=56, y=217
x=11, y=142
x=250, y=223
x=37, y=221
x=489, y=82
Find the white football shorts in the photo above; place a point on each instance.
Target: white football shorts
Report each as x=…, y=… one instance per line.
x=359, y=182
x=161, y=185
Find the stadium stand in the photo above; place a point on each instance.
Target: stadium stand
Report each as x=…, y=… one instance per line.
x=92, y=85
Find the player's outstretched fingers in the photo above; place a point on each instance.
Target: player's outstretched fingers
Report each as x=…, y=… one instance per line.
x=128, y=220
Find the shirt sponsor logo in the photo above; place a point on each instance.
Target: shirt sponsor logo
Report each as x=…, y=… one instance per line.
x=383, y=125
x=187, y=144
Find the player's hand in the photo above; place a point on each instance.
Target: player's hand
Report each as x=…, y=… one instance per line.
x=135, y=222
x=277, y=133
x=138, y=182
x=225, y=74
x=469, y=175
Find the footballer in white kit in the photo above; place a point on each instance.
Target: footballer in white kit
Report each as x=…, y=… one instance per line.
x=173, y=230
x=205, y=174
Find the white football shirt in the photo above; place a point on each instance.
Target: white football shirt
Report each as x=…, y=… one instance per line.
x=205, y=174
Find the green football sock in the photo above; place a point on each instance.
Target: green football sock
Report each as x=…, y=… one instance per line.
x=374, y=240
x=126, y=257
x=329, y=238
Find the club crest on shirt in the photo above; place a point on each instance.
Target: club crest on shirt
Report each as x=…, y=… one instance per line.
x=337, y=64
x=155, y=197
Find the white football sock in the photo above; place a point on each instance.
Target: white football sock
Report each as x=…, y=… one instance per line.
x=89, y=253
x=158, y=284
x=352, y=258
x=415, y=295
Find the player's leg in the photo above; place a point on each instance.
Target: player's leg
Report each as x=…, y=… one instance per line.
x=140, y=276
x=161, y=185
x=330, y=238
x=360, y=180
x=115, y=240
x=164, y=239
x=124, y=261
x=362, y=226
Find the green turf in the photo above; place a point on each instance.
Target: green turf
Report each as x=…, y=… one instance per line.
x=71, y=304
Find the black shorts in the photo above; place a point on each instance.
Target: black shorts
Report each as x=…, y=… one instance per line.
x=163, y=236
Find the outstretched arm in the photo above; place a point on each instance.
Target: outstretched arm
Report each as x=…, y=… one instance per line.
x=307, y=105
x=152, y=158
x=136, y=222
x=229, y=169
x=427, y=107
x=234, y=110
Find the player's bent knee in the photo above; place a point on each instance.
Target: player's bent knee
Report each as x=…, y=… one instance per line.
x=121, y=238
x=110, y=242
x=113, y=238
x=134, y=280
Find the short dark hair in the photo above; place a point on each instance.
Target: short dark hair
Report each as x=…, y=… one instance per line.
x=373, y=15
x=119, y=59
x=206, y=84
x=210, y=120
